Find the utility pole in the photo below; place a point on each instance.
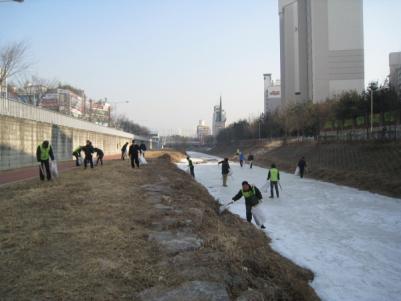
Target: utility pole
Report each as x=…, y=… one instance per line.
x=371, y=111
x=261, y=117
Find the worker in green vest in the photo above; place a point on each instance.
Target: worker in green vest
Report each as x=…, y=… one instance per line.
x=252, y=197
x=274, y=177
x=44, y=152
x=191, y=166
x=77, y=154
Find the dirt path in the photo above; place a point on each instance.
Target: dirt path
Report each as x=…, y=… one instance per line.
x=114, y=233
x=29, y=172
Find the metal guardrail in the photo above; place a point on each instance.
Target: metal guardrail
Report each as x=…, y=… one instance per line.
x=21, y=110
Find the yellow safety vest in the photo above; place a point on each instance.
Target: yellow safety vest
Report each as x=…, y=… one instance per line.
x=274, y=174
x=249, y=193
x=44, y=152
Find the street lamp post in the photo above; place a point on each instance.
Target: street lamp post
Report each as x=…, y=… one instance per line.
x=371, y=111
x=115, y=106
x=261, y=117
x=373, y=87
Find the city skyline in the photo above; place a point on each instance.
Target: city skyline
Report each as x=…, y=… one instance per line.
x=176, y=56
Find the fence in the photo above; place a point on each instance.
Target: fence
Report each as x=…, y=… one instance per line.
x=21, y=110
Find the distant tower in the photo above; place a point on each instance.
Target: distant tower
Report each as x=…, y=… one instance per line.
x=219, y=118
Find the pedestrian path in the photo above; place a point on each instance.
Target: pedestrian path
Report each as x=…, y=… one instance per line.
x=29, y=172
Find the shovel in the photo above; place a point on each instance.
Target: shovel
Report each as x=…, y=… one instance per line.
x=225, y=207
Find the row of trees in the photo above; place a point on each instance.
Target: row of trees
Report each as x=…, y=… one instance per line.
x=127, y=125
x=347, y=111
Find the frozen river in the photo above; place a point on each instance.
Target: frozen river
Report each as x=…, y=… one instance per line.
x=350, y=239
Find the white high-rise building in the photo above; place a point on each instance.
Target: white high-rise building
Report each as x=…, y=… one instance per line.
x=395, y=71
x=272, y=93
x=219, y=118
x=202, y=131
x=322, y=50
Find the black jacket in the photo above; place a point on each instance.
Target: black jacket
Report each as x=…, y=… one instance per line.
x=51, y=155
x=251, y=158
x=225, y=167
x=98, y=151
x=134, y=150
x=302, y=164
x=143, y=147
x=124, y=148
x=254, y=200
x=88, y=150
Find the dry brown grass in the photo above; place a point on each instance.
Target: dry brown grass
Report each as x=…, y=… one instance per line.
x=85, y=236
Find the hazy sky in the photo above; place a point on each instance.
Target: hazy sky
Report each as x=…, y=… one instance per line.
x=173, y=58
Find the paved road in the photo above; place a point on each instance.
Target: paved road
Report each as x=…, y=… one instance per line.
x=25, y=173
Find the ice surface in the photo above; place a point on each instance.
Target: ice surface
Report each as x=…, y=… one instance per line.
x=350, y=239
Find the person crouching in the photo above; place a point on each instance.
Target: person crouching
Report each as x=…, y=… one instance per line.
x=252, y=197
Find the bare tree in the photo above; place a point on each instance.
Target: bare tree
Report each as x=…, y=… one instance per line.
x=12, y=60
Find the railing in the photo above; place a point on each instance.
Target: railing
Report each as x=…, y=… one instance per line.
x=21, y=110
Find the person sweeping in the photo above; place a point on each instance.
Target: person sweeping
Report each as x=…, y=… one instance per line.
x=252, y=197
x=225, y=170
x=44, y=152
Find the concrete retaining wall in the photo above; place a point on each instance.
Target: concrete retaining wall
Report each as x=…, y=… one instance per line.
x=24, y=127
x=19, y=139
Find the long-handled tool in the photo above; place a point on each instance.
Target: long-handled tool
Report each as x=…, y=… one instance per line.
x=42, y=170
x=225, y=207
x=281, y=188
x=265, y=187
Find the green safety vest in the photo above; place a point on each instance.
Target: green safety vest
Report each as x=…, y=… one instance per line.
x=44, y=152
x=274, y=174
x=248, y=194
x=78, y=149
x=190, y=163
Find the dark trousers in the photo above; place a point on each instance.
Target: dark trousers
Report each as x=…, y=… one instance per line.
x=77, y=156
x=273, y=185
x=123, y=155
x=301, y=172
x=44, y=168
x=88, y=159
x=99, y=159
x=241, y=162
x=251, y=164
x=135, y=161
x=191, y=170
x=248, y=208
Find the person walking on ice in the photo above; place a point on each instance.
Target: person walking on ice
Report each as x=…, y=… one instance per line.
x=241, y=159
x=225, y=170
x=302, y=166
x=191, y=166
x=250, y=159
x=44, y=152
x=274, y=177
x=252, y=197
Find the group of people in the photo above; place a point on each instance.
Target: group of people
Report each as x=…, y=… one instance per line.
x=135, y=151
x=251, y=193
x=88, y=151
x=241, y=158
x=44, y=153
